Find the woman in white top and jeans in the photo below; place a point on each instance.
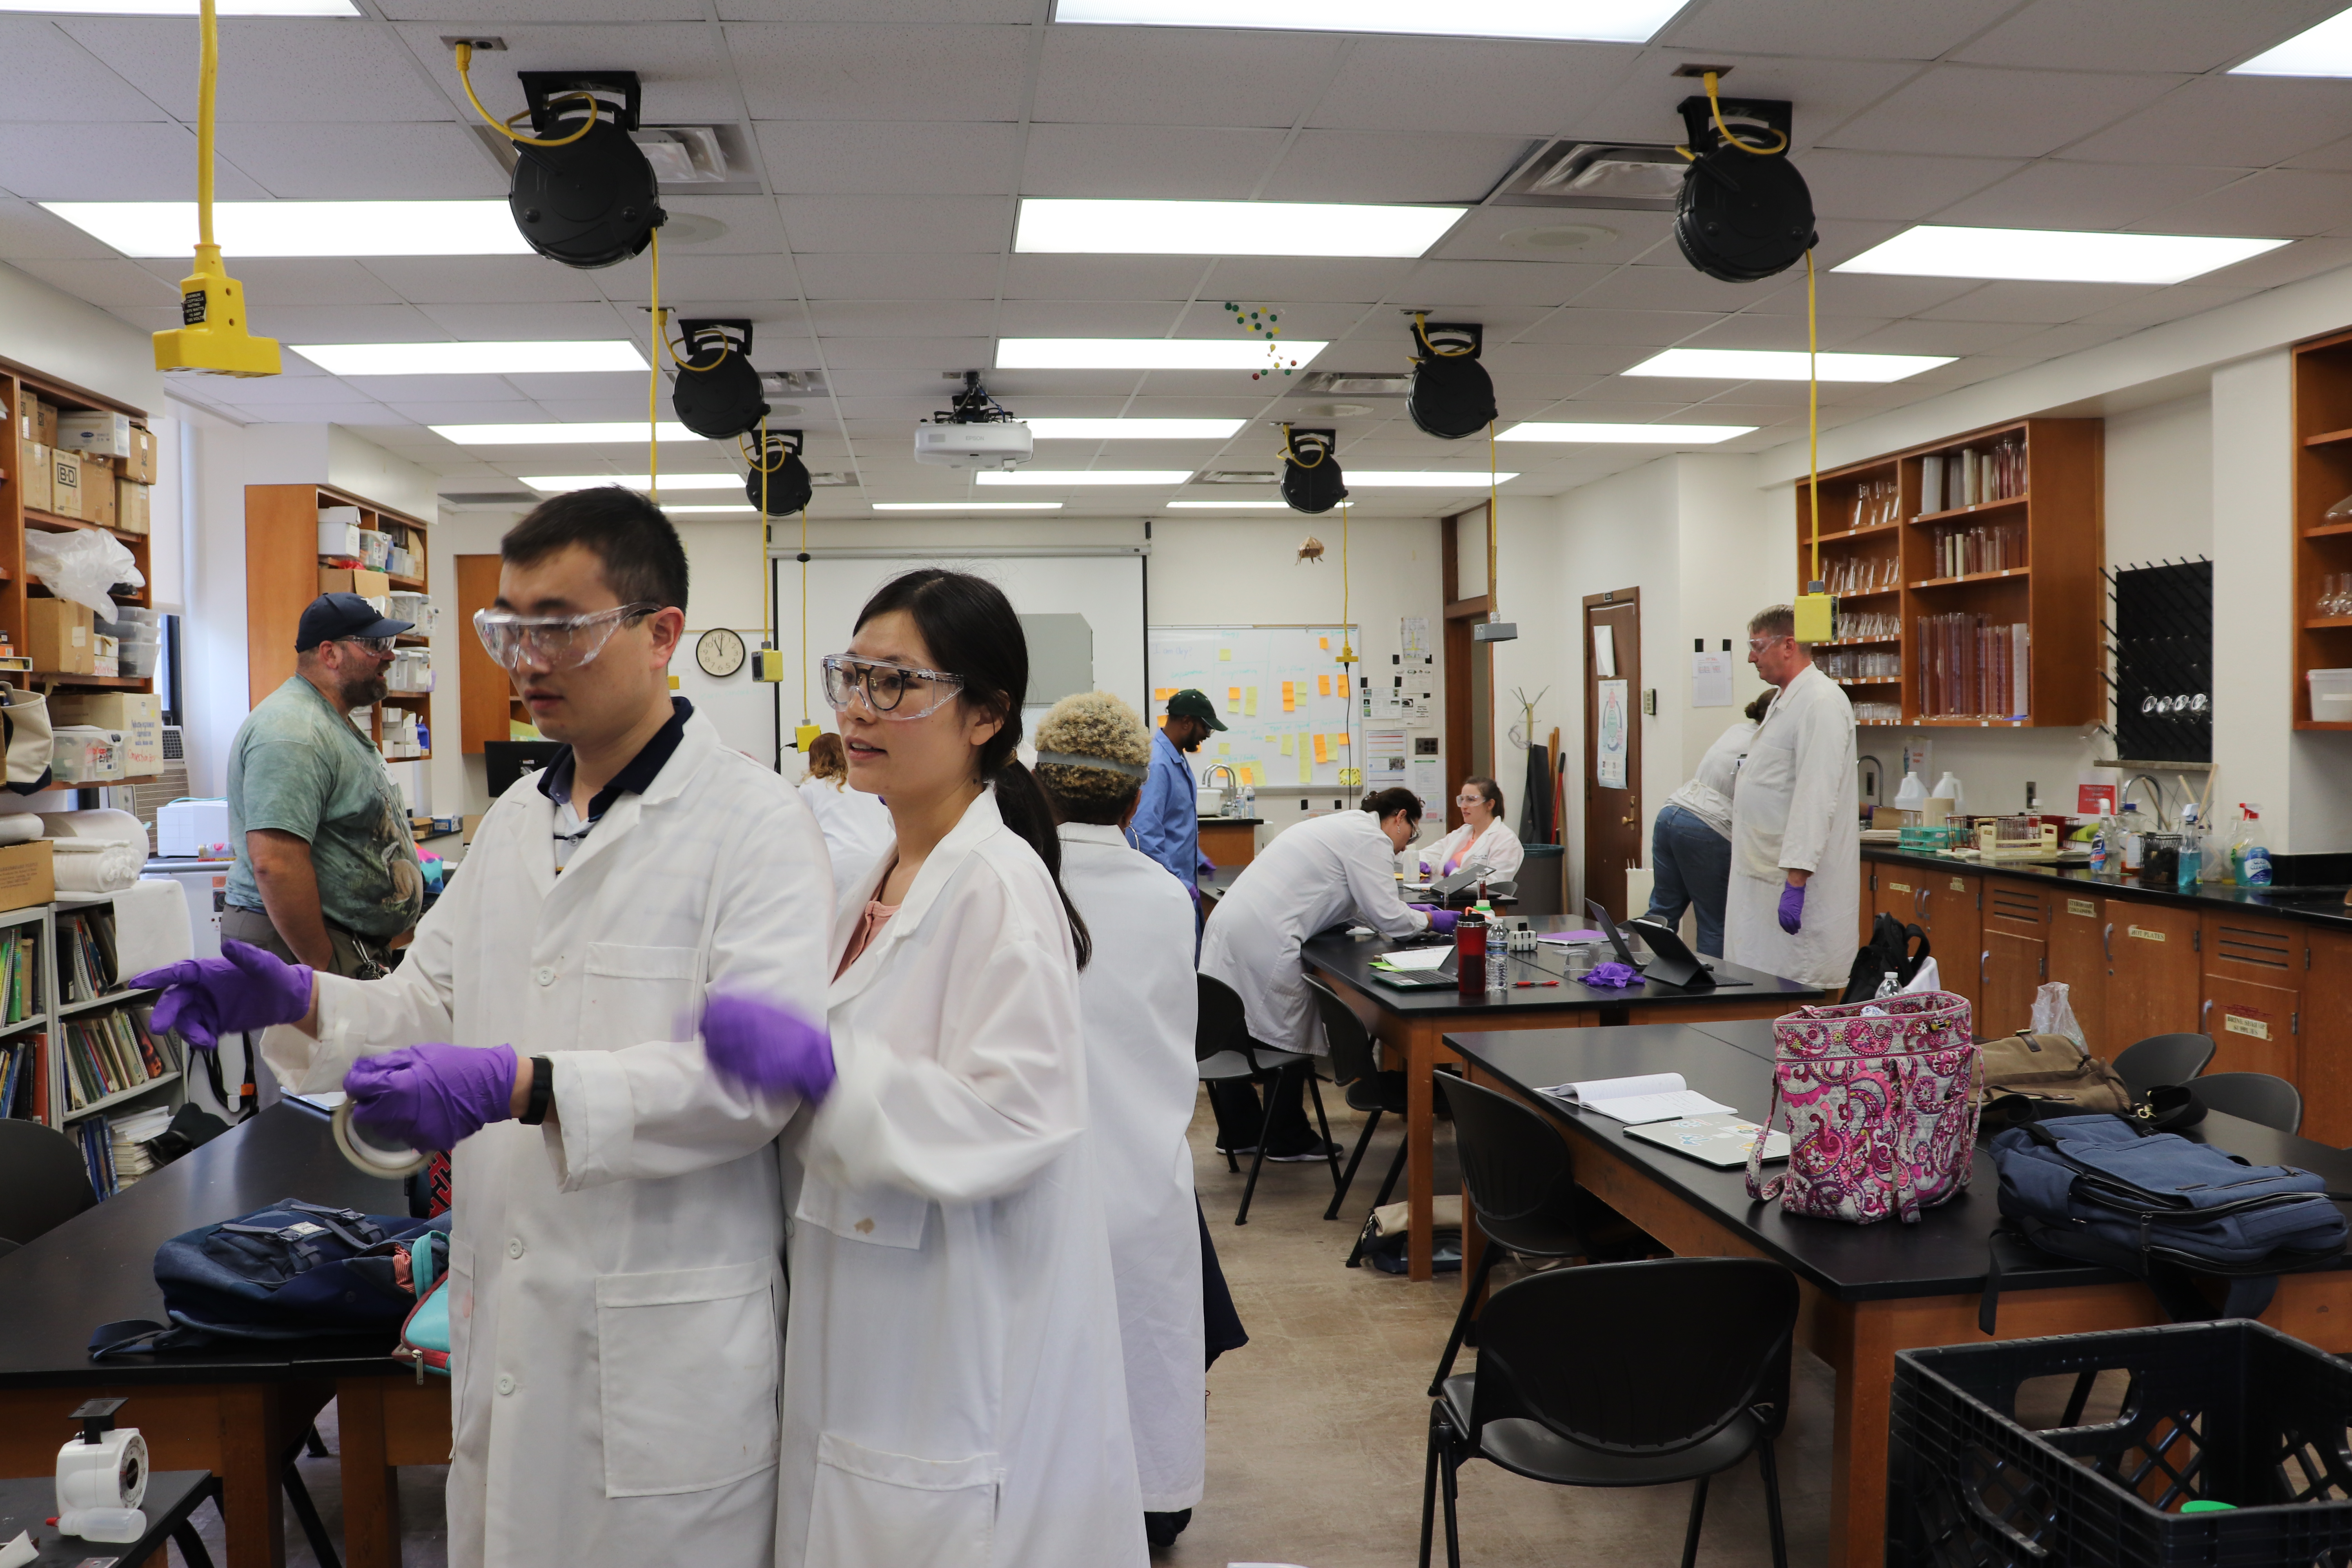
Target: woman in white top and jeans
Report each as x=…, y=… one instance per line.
x=1690, y=842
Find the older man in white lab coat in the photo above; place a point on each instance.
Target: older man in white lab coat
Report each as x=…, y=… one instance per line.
x=1795, y=902
x=616, y=1294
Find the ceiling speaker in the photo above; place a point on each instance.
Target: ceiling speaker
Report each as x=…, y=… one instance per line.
x=1311, y=481
x=1742, y=215
x=716, y=391
x=592, y=202
x=1452, y=396
x=778, y=483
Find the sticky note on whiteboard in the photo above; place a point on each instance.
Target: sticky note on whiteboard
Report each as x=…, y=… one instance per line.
x=1289, y=744
x=1162, y=693
x=1249, y=773
x=1225, y=653
x=1306, y=767
x=1322, y=686
x=1322, y=747
x=1249, y=700
x=1325, y=643
x=1289, y=696
x=1233, y=698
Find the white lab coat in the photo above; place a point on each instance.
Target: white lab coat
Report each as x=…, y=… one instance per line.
x=1311, y=878
x=859, y=832
x=1795, y=807
x=1137, y=1003
x=1496, y=844
x=616, y=1295
x=953, y=1394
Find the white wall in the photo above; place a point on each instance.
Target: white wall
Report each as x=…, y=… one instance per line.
x=53, y=332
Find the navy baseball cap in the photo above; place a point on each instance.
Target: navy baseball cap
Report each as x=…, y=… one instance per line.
x=331, y=616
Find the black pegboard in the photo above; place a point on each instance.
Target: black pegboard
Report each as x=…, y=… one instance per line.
x=2162, y=632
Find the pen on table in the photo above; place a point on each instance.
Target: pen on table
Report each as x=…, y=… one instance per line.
x=1521, y=985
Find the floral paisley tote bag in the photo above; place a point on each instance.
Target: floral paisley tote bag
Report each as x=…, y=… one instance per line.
x=1881, y=1105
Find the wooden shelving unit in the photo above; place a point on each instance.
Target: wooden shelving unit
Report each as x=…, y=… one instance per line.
x=2322, y=477
x=281, y=576
x=1873, y=528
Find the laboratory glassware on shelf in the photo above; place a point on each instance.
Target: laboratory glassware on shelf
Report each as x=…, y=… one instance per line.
x=1971, y=667
x=1862, y=575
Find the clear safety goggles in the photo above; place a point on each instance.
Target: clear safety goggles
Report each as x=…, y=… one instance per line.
x=554, y=642
x=891, y=691
x=379, y=648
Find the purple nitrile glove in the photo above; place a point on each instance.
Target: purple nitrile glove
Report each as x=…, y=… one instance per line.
x=247, y=988
x=1613, y=975
x=432, y=1097
x=1442, y=922
x=1792, y=906
x=765, y=1047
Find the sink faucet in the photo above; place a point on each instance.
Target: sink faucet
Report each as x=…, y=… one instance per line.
x=1232, y=787
x=2155, y=790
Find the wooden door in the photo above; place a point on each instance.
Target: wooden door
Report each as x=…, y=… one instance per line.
x=2325, y=1037
x=1948, y=914
x=2016, y=953
x=2153, y=982
x=2078, y=955
x=484, y=692
x=2254, y=992
x=1614, y=823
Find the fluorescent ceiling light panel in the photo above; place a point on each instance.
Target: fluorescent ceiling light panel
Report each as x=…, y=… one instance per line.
x=1145, y=353
x=1781, y=364
x=1133, y=429
x=302, y=228
x=2052, y=255
x=181, y=7
x=473, y=359
x=1404, y=479
x=1059, y=476
x=2322, y=50
x=552, y=434
x=1626, y=435
x=1596, y=21
x=966, y=505
x=557, y=484
x=1123, y=228
x=1234, y=505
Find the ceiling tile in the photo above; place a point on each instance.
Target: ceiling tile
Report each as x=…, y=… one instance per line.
x=2066, y=194
x=1181, y=76
x=1263, y=278
x=1167, y=163
x=1526, y=282
x=2303, y=258
x=685, y=73
x=29, y=230
x=1658, y=328
x=2236, y=122
x=1862, y=294
x=753, y=227
x=1642, y=105
x=481, y=279
x=382, y=163
x=842, y=276
x=106, y=284
x=1087, y=318
x=526, y=323
x=835, y=71
x=2124, y=35
x=2045, y=303
x=2274, y=201
x=1839, y=29
x=2071, y=338
x=270, y=69
x=1681, y=288
x=346, y=323
x=903, y=318
x=1893, y=185
x=1391, y=167
x=687, y=277
x=52, y=76
x=943, y=354
x=1566, y=358
x=1781, y=332
x=901, y=224
x=899, y=11
x=1988, y=112
x=1954, y=338
x=1430, y=85
x=1479, y=236
x=480, y=16
x=271, y=280
x=866, y=157
x=2155, y=306
x=126, y=163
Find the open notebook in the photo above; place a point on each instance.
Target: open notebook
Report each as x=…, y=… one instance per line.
x=1648, y=1097
x=1721, y=1141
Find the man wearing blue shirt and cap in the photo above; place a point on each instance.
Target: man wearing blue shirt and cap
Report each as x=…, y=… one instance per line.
x=326, y=872
x=1168, y=817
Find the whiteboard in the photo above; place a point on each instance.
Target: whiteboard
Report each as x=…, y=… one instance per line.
x=1281, y=692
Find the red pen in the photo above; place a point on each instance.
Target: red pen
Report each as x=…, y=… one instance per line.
x=1519, y=985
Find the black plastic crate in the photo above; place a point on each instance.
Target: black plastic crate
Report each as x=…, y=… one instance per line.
x=2231, y=1412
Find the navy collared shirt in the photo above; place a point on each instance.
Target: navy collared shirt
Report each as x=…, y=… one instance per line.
x=555, y=782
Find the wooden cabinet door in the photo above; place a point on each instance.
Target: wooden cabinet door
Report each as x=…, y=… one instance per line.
x=2153, y=976
x=2013, y=967
x=2326, y=1036
x=1894, y=890
x=1947, y=912
x=2078, y=955
x=2253, y=1026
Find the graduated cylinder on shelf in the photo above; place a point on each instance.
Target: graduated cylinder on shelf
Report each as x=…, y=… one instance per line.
x=1971, y=667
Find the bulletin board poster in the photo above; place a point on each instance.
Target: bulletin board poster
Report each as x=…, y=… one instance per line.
x=1608, y=766
x=1281, y=692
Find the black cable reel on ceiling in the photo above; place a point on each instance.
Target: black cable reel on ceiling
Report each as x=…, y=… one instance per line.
x=716, y=391
x=1311, y=481
x=1745, y=212
x=778, y=483
x=592, y=200
x=1452, y=395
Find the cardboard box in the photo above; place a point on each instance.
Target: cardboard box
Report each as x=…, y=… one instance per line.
x=35, y=420
x=138, y=716
x=353, y=580
x=28, y=875
x=33, y=474
x=65, y=483
x=131, y=511
x=96, y=432
x=98, y=484
x=141, y=465
x=339, y=539
x=57, y=637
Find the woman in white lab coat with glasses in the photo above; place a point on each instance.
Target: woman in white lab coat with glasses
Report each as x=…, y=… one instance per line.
x=953, y=1390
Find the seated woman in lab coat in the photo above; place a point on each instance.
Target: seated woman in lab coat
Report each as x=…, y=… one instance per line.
x=953, y=1388
x=1482, y=838
x=1137, y=1001
x=1324, y=872
x=857, y=831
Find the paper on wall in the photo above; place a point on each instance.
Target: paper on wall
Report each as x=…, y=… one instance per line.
x=1605, y=651
x=1710, y=681
x=1610, y=729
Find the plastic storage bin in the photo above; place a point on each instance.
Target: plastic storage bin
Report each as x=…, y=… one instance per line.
x=2231, y=1411
x=2331, y=695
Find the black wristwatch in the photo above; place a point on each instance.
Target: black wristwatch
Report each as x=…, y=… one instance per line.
x=543, y=1092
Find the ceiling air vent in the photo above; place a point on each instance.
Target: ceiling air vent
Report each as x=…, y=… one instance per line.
x=1627, y=177
x=1236, y=477
x=1354, y=384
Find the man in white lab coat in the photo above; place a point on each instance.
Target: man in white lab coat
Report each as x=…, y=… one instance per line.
x=1795, y=903
x=616, y=1294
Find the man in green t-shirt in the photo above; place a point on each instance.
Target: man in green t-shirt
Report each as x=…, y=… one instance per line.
x=326, y=872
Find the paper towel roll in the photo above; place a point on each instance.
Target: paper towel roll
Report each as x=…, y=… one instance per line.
x=116, y=824
x=22, y=827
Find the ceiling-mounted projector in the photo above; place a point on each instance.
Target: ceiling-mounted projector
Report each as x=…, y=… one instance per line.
x=1311, y=481
x=778, y=483
x=590, y=202
x=1452, y=396
x=716, y=392
x=974, y=432
x=1744, y=215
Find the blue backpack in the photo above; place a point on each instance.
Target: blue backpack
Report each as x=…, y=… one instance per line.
x=2162, y=1209
x=293, y=1271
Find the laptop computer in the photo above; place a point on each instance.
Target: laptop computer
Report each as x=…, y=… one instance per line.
x=1670, y=961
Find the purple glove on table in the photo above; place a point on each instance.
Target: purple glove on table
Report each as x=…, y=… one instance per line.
x=1612, y=975
x=765, y=1046
x=432, y=1097
x=1444, y=921
x=1792, y=906
x=246, y=988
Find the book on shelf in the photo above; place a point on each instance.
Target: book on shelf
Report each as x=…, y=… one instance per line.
x=87, y=967
x=96, y=1141
x=127, y=1138
x=25, y=1078
x=111, y=1051
x=20, y=983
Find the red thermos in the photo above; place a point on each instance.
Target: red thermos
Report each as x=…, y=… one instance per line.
x=1470, y=954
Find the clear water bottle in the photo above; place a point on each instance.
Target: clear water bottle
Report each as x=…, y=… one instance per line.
x=1498, y=963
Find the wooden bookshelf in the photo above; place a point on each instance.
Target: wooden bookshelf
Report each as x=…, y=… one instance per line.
x=282, y=562
x=1877, y=529
x=2322, y=546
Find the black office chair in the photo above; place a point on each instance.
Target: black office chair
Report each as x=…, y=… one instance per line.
x=1517, y=1179
x=1356, y=1069
x=1694, y=1376
x=43, y=1182
x=2254, y=1097
x=1225, y=1052
x=2162, y=1059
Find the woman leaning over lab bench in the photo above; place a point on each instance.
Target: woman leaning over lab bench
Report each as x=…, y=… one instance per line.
x=953, y=1389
